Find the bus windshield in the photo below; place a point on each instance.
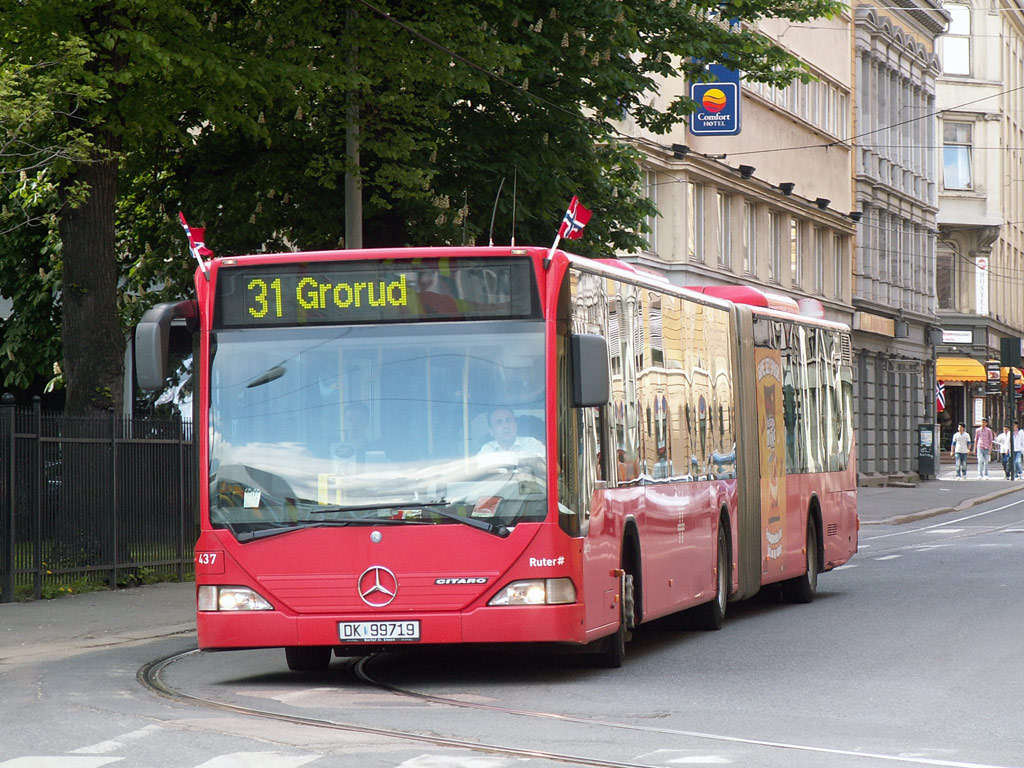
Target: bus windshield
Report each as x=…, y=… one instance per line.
x=400, y=423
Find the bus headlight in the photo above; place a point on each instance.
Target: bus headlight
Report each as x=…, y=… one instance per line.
x=536, y=592
x=215, y=598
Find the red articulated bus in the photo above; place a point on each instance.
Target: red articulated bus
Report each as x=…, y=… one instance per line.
x=500, y=445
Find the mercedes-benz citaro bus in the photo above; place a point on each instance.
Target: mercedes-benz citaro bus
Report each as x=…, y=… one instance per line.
x=500, y=445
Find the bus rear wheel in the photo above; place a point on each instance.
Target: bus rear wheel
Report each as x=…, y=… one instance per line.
x=308, y=658
x=711, y=615
x=803, y=588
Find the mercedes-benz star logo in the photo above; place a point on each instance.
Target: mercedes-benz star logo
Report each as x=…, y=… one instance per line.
x=377, y=586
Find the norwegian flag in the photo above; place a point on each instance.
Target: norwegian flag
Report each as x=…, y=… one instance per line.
x=575, y=219
x=196, y=240
x=940, y=396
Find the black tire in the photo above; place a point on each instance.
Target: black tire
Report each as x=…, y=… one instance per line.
x=613, y=648
x=308, y=658
x=803, y=588
x=711, y=615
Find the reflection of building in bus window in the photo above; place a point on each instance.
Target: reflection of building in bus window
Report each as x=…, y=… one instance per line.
x=662, y=467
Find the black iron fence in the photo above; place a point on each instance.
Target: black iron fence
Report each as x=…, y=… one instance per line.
x=93, y=499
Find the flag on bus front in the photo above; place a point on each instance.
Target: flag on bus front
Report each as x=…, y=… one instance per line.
x=940, y=396
x=575, y=219
x=196, y=239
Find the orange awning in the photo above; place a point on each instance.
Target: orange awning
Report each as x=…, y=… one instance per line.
x=1004, y=374
x=959, y=369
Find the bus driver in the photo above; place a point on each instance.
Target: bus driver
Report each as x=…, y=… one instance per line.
x=505, y=434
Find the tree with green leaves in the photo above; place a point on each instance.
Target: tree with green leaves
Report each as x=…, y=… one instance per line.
x=237, y=113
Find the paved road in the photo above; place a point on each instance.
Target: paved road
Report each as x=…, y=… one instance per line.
x=909, y=657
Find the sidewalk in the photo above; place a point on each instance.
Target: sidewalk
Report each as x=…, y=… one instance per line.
x=81, y=623
x=896, y=505
x=95, y=620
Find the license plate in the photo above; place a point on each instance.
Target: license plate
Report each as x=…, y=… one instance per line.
x=378, y=631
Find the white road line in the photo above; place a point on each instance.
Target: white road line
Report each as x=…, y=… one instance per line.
x=456, y=761
x=58, y=761
x=262, y=759
x=889, y=557
x=105, y=747
x=944, y=524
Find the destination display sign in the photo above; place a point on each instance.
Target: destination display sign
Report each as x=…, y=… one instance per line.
x=329, y=293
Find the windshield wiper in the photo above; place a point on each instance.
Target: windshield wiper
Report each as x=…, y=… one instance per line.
x=300, y=525
x=437, y=507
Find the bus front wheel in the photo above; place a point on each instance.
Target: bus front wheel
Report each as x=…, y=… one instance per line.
x=308, y=658
x=613, y=647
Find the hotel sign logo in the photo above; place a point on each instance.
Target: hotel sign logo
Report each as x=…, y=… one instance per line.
x=718, y=104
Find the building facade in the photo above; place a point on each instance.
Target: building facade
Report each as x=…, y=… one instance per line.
x=979, y=273
x=895, y=177
x=768, y=207
x=829, y=196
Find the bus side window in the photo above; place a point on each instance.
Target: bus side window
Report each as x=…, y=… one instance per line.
x=581, y=459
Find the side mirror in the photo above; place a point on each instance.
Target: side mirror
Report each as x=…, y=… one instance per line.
x=590, y=378
x=152, y=336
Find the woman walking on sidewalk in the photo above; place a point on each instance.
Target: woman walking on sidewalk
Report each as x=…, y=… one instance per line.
x=960, y=449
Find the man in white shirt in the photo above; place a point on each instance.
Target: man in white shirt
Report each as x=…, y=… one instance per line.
x=1004, y=442
x=960, y=448
x=1018, y=448
x=505, y=431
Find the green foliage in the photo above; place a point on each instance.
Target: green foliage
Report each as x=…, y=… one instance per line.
x=237, y=113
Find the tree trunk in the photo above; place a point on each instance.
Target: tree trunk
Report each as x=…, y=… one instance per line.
x=94, y=343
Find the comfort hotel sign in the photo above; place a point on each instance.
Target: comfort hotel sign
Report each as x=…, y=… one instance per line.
x=718, y=104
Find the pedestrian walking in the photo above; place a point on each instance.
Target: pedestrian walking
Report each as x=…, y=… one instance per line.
x=983, y=439
x=1018, y=449
x=960, y=449
x=1004, y=442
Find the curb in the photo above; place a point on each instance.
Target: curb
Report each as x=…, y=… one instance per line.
x=914, y=517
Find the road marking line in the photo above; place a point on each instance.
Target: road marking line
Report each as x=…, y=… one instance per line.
x=62, y=761
x=262, y=759
x=889, y=557
x=110, y=745
x=948, y=522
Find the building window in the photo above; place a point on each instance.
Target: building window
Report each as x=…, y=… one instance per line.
x=945, y=278
x=839, y=266
x=819, y=260
x=651, y=192
x=749, y=238
x=695, y=220
x=775, y=247
x=724, y=231
x=956, y=156
x=955, y=45
x=795, y=256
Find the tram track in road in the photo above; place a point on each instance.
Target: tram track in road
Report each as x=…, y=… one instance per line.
x=150, y=676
